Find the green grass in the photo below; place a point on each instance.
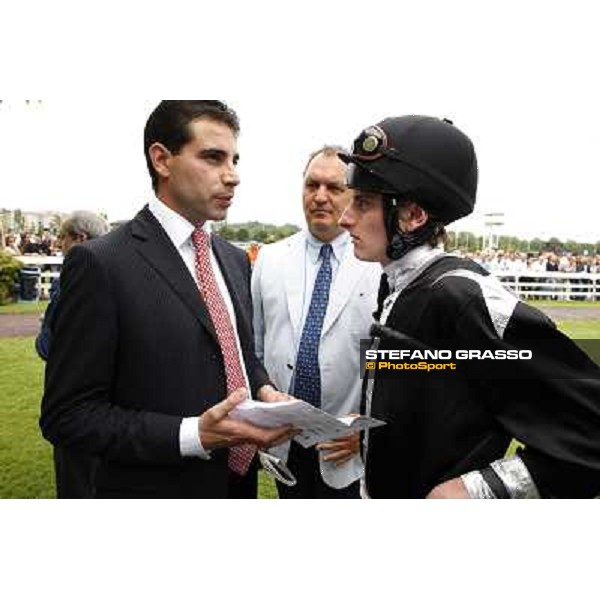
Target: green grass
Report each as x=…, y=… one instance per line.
x=581, y=330
x=24, y=308
x=266, y=486
x=563, y=304
x=26, y=458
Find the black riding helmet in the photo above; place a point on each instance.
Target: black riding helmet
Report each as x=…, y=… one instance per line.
x=409, y=154
x=424, y=159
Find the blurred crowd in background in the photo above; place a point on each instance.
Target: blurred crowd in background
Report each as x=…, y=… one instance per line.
x=516, y=262
x=48, y=244
x=20, y=244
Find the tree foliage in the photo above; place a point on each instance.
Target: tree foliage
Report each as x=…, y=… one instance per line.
x=253, y=231
x=467, y=241
x=9, y=272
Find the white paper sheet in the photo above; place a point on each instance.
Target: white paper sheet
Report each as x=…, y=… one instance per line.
x=316, y=425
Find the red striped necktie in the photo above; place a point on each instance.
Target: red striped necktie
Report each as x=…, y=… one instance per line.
x=241, y=456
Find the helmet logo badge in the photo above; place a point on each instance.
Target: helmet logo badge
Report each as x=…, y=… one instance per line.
x=370, y=143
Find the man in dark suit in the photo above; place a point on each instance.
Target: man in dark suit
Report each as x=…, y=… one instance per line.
x=154, y=329
x=74, y=472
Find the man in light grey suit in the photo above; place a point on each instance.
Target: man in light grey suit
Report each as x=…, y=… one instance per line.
x=313, y=302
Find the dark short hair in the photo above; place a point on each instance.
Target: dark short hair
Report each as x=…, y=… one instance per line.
x=168, y=125
x=441, y=235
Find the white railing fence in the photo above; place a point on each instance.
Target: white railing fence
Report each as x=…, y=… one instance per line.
x=532, y=285
x=552, y=285
x=49, y=269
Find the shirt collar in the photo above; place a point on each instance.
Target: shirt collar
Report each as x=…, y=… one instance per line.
x=338, y=246
x=400, y=270
x=178, y=228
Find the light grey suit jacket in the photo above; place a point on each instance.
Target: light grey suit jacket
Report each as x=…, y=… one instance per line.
x=278, y=296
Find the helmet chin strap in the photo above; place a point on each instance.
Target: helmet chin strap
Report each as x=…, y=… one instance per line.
x=400, y=242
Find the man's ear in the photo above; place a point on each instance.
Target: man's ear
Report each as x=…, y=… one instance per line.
x=160, y=155
x=419, y=215
x=411, y=216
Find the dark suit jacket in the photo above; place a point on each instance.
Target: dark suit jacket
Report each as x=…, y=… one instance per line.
x=134, y=351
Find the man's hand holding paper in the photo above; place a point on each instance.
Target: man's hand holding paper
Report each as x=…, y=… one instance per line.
x=218, y=429
x=315, y=425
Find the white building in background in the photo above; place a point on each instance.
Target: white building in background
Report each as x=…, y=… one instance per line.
x=30, y=220
x=47, y=219
x=7, y=220
x=492, y=223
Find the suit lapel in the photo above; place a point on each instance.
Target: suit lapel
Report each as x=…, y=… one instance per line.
x=294, y=274
x=346, y=278
x=155, y=247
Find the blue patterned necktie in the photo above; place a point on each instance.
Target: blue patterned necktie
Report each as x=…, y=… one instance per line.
x=307, y=377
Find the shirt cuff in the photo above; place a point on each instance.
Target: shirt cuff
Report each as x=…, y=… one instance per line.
x=513, y=474
x=189, y=439
x=477, y=488
x=516, y=478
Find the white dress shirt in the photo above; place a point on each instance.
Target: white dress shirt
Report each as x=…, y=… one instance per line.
x=180, y=232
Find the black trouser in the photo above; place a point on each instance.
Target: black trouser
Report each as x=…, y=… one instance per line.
x=304, y=464
x=75, y=473
x=244, y=486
